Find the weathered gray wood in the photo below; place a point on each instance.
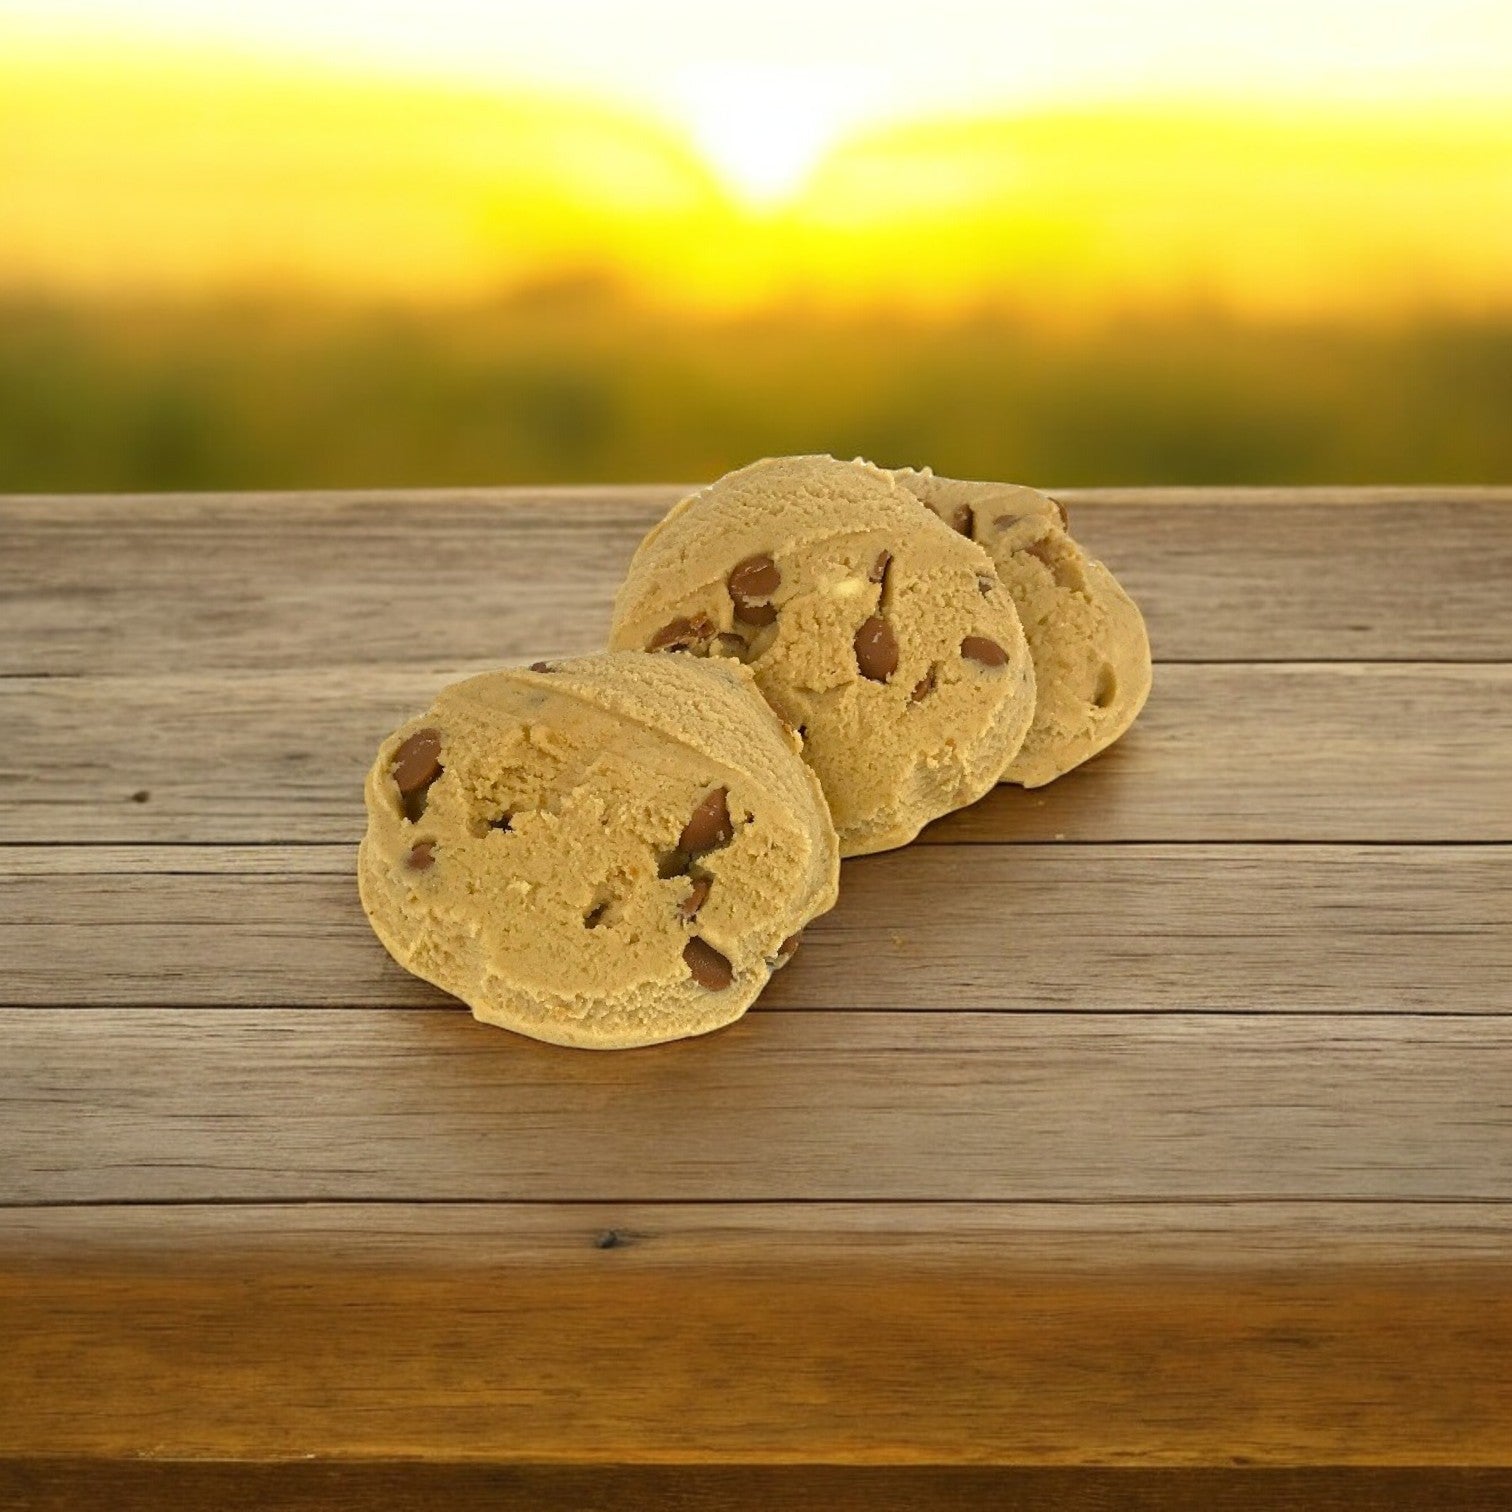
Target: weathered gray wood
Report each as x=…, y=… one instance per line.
x=1303, y=929
x=1350, y=753
x=1225, y=1162
x=309, y=580
x=148, y=1105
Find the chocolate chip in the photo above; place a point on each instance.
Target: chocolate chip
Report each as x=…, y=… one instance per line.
x=1041, y=551
x=709, y=826
x=732, y=646
x=422, y=856
x=416, y=765
x=755, y=614
x=696, y=898
x=979, y=649
x=751, y=583
x=788, y=946
x=417, y=762
x=756, y=577
x=878, y=574
x=709, y=968
x=673, y=863
x=680, y=634
x=542, y=667
x=876, y=649
x=961, y=519
x=923, y=688
x=1007, y=522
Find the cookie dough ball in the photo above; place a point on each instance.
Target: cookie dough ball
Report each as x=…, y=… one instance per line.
x=605, y=852
x=1087, y=636
x=878, y=632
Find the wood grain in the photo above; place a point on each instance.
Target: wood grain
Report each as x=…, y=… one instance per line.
x=54, y=1485
x=797, y=1335
x=149, y=1105
x=1351, y=753
x=262, y=582
x=1081, y=929
x=1167, y=1167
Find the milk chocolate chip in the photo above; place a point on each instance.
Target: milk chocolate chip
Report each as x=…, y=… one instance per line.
x=751, y=582
x=979, y=649
x=416, y=765
x=876, y=650
x=542, y=667
x=961, y=519
x=696, y=899
x=878, y=574
x=680, y=634
x=422, y=856
x=417, y=762
x=923, y=688
x=709, y=968
x=709, y=825
x=788, y=946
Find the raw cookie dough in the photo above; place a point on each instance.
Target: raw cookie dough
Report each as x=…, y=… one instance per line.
x=611, y=851
x=1087, y=636
x=877, y=631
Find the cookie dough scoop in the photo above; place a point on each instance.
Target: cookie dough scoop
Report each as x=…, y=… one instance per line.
x=1087, y=637
x=878, y=632
x=610, y=851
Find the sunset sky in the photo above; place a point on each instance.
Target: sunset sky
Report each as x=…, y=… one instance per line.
x=1282, y=157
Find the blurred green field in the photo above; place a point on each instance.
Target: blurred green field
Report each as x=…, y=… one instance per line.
x=578, y=382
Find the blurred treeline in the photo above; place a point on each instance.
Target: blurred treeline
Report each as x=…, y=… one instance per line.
x=579, y=381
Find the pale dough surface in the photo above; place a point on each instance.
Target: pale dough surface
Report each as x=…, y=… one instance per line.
x=849, y=546
x=555, y=921
x=1087, y=637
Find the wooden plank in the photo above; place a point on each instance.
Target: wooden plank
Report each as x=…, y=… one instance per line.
x=403, y=1486
x=304, y=580
x=311, y=1485
x=1174, y=929
x=1052, y=1335
x=1302, y=752
x=139, y=1105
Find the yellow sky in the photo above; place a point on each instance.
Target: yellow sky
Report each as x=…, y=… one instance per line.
x=1281, y=157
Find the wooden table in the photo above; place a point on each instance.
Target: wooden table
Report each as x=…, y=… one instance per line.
x=1142, y=1141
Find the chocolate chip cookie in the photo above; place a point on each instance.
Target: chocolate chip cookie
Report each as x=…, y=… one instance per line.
x=610, y=851
x=878, y=632
x=1086, y=635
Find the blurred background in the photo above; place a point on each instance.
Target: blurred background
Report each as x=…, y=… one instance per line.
x=279, y=243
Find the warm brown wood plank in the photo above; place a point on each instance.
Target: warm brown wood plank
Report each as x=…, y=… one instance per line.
x=1040, y=1335
x=141, y=1104
x=422, y=1486
x=1351, y=753
x=265, y=581
x=1174, y=929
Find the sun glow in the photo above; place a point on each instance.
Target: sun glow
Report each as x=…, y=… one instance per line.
x=765, y=129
